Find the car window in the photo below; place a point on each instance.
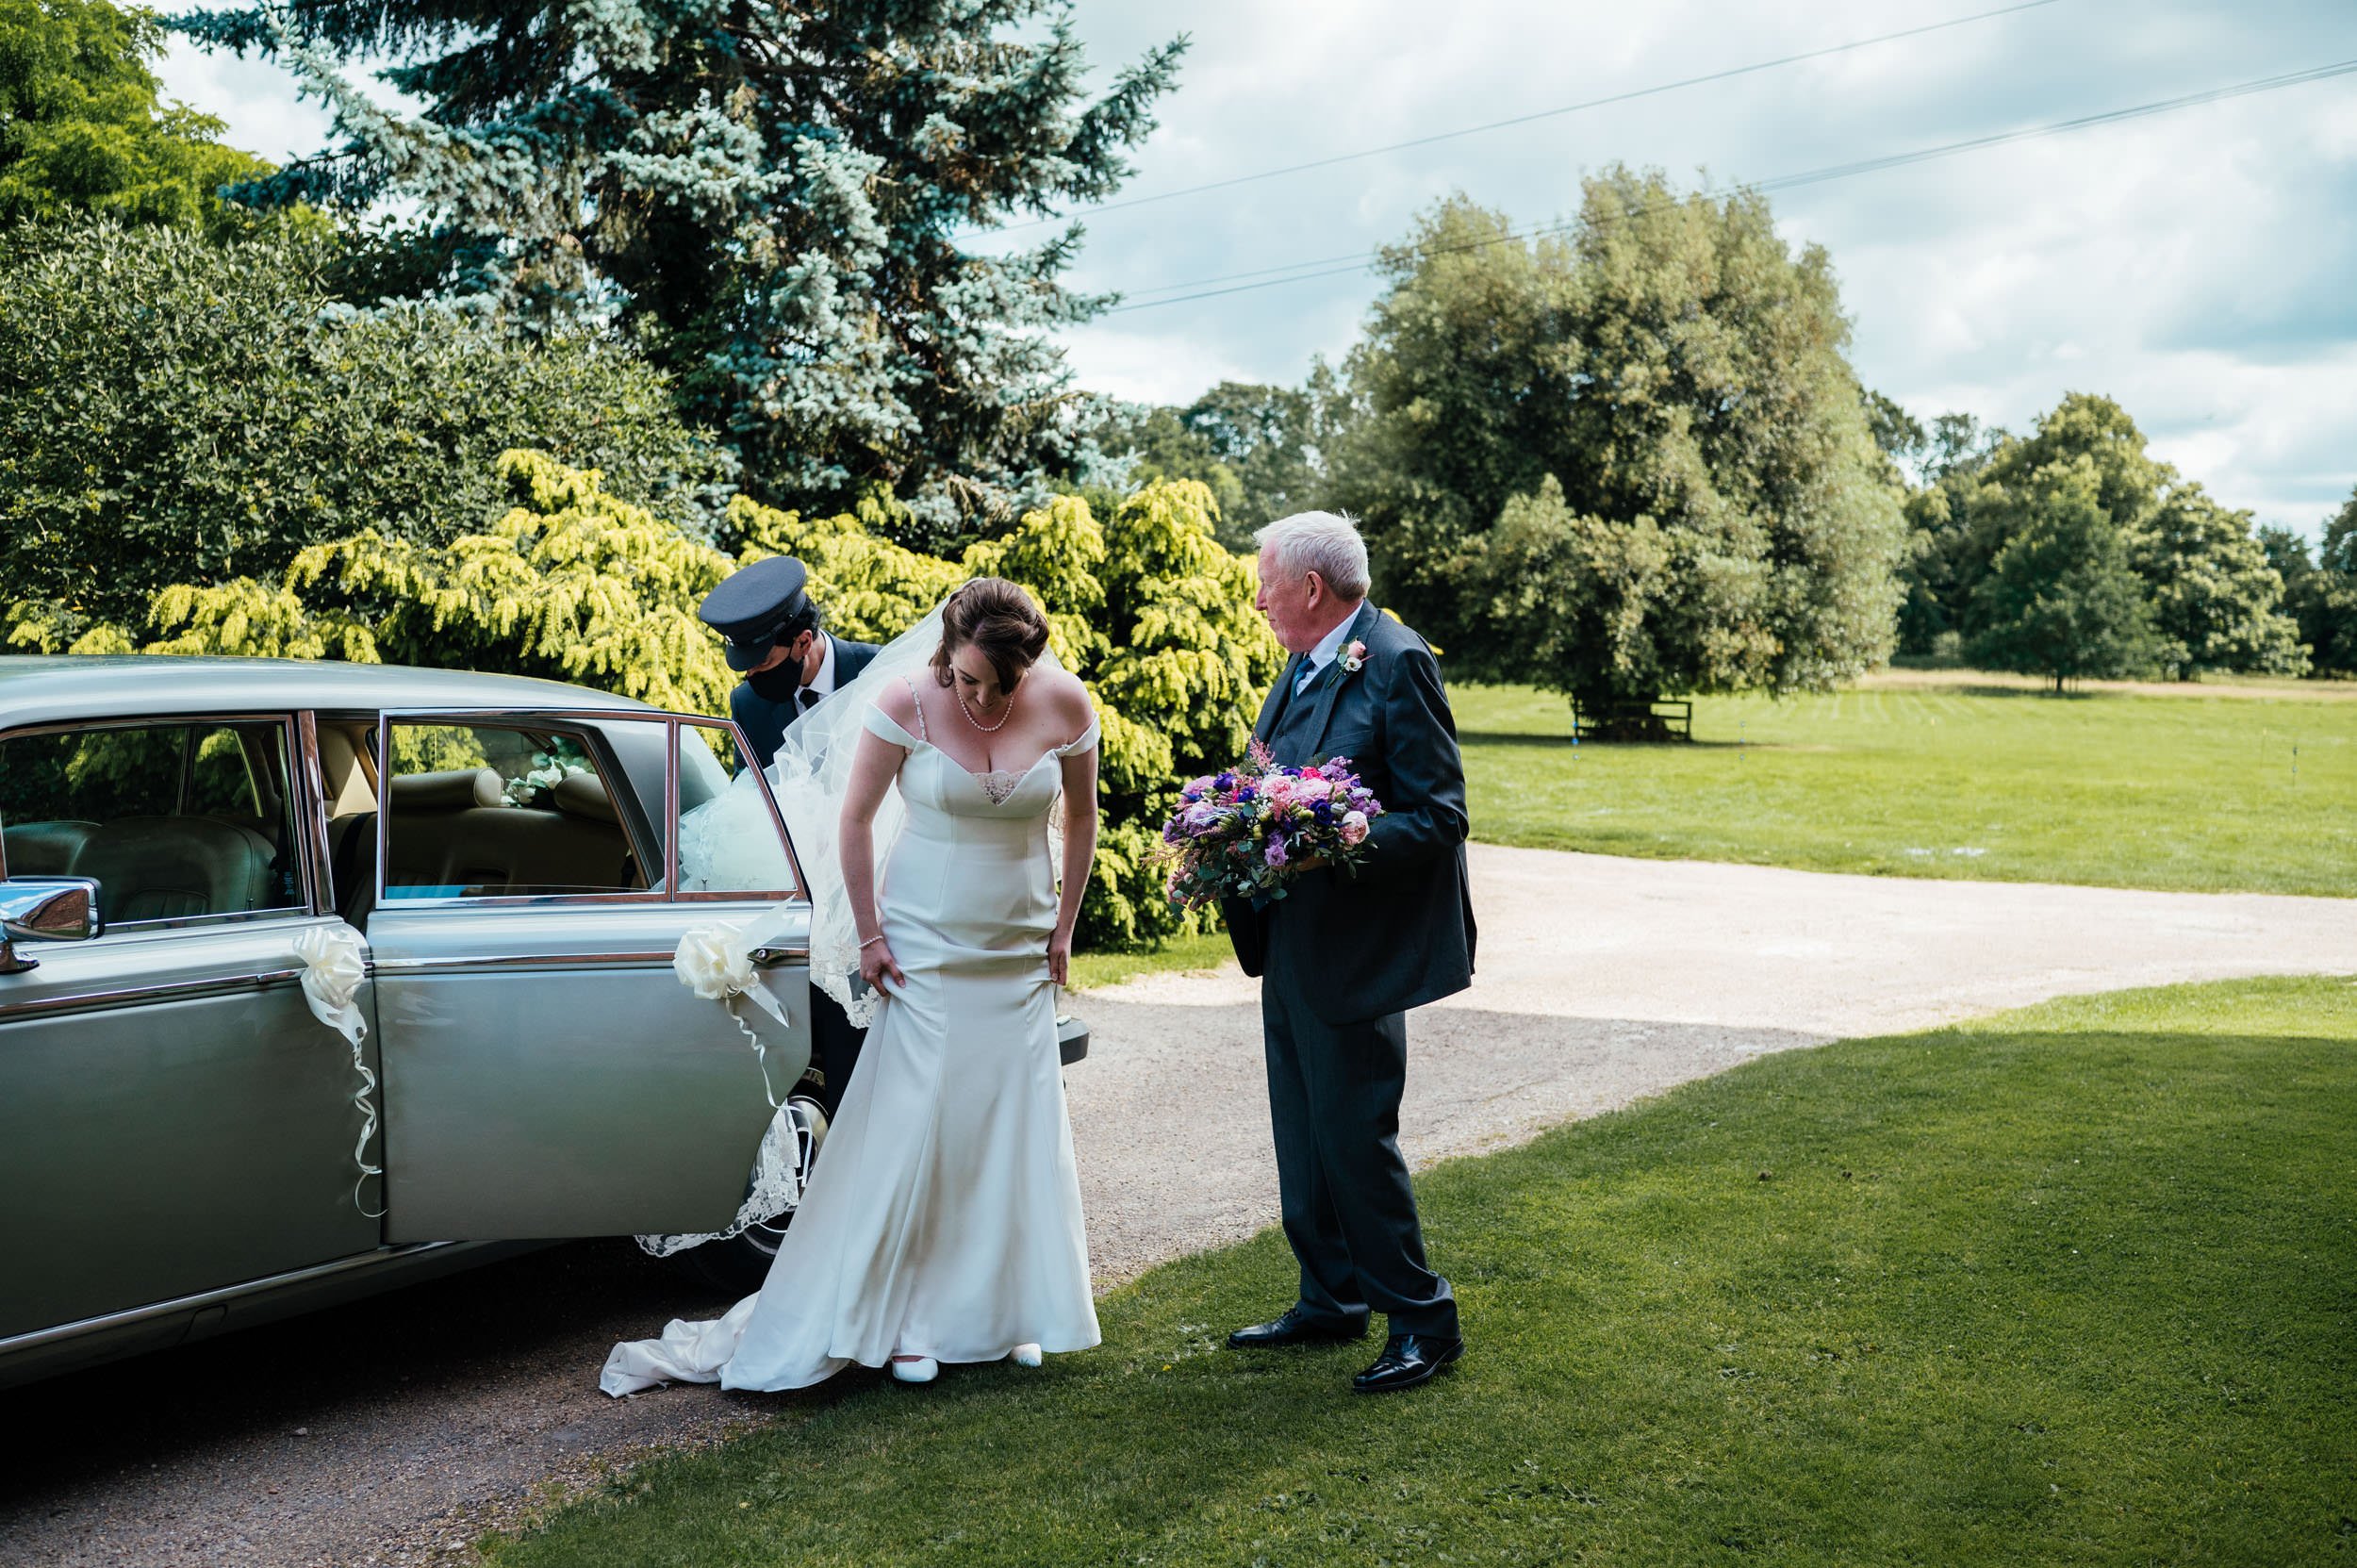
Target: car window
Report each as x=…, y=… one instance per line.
x=178, y=821
x=730, y=839
x=478, y=811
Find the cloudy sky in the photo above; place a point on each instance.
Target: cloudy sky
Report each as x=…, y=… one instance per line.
x=2200, y=266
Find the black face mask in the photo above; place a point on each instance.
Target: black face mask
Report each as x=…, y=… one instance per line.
x=781, y=682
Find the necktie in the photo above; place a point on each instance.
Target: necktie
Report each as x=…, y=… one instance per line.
x=810, y=698
x=1308, y=673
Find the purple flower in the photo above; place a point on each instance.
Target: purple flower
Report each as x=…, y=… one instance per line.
x=1226, y=780
x=1275, y=853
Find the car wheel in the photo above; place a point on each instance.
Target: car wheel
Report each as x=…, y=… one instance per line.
x=739, y=1264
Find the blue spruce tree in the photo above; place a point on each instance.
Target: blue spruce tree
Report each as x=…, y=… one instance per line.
x=773, y=199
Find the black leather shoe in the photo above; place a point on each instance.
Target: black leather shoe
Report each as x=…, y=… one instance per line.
x=1406, y=1361
x=1296, y=1326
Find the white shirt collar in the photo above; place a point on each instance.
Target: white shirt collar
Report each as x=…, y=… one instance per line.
x=1332, y=644
x=822, y=685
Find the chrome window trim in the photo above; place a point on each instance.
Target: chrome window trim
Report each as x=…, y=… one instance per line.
x=406, y=967
x=132, y=996
x=131, y=1315
x=292, y=729
x=313, y=792
x=670, y=806
x=206, y=922
x=386, y=901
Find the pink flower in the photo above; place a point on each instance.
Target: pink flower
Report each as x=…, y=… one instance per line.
x=1355, y=656
x=1353, y=828
x=1312, y=788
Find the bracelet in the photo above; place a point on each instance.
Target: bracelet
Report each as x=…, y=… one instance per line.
x=871, y=942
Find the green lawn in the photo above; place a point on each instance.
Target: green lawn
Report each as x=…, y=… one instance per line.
x=1092, y=970
x=2072, y=1285
x=1946, y=778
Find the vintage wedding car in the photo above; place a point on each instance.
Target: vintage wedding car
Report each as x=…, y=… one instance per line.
x=186, y=1146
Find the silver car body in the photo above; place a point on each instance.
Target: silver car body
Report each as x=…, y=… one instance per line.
x=177, y=1130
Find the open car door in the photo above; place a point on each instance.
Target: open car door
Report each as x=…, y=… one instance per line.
x=546, y=1073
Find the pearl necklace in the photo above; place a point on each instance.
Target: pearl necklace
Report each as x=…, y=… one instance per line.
x=987, y=729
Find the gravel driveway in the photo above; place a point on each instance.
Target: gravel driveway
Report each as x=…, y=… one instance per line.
x=392, y=1430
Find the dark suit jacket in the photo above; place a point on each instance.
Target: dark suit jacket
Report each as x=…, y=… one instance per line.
x=1400, y=931
x=765, y=722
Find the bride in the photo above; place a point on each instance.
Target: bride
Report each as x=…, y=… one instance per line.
x=943, y=1221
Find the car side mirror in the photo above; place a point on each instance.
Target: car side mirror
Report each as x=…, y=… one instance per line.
x=45, y=909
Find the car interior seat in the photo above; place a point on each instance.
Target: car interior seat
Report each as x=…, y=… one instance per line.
x=453, y=832
x=44, y=849
x=176, y=868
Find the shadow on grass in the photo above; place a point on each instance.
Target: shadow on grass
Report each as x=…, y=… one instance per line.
x=2071, y=1287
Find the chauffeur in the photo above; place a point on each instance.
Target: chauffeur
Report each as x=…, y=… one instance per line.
x=790, y=663
x=775, y=641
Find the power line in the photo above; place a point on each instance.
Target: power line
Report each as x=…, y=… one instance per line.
x=1540, y=115
x=1360, y=261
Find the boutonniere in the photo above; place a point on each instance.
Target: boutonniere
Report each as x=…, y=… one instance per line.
x=1355, y=657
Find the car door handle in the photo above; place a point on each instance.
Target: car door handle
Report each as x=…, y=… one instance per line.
x=769, y=958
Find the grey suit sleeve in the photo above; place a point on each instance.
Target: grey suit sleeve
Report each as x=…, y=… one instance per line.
x=1424, y=815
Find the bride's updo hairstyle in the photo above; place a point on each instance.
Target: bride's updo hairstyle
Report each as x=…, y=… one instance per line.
x=1000, y=622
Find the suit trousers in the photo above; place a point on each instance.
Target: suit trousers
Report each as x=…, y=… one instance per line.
x=1349, y=1212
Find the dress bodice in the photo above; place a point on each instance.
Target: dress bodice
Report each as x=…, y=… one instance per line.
x=934, y=784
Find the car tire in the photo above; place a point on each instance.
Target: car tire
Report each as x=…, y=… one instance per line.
x=738, y=1264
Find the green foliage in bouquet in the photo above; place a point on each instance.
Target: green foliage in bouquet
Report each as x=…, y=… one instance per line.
x=577, y=585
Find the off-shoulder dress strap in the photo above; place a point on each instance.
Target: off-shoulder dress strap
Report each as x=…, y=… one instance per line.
x=1084, y=742
x=919, y=703
x=883, y=724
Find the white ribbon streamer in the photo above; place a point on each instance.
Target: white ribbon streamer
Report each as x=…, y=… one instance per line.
x=335, y=959
x=716, y=962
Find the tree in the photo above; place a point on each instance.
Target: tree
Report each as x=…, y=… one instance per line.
x=1942, y=560
x=1271, y=439
x=777, y=198
x=83, y=129
x=2062, y=598
x=1651, y=420
x=1256, y=447
x=2217, y=603
x=2320, y=591
x=173, y=410
x=1899, y=435
x=1165, y=447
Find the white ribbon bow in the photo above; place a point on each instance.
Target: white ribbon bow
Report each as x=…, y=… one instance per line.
x=716, y=962
x=335, y=959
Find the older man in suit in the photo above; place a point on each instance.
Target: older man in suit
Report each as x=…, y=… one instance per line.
x=1345, y=954
x=774, y=636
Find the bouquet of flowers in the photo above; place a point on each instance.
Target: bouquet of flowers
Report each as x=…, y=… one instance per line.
x=1241, y=833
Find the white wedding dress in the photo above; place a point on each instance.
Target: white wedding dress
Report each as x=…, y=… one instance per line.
x=943, y=1217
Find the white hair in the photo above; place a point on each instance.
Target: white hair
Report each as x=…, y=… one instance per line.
x=1326, y=543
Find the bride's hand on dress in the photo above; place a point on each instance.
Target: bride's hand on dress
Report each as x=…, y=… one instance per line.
x=1060, y=957
x=876, y=961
